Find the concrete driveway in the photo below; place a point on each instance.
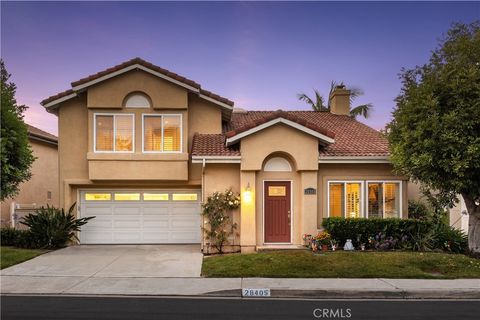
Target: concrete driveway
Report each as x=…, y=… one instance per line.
x=115, y=261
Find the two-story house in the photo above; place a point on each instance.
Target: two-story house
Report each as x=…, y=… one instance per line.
x=140, y=147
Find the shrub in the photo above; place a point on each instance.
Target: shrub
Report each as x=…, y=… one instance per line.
x=419, y=210
x=17, y=238
x=52, y=227
x=216, y=210
x=362, y=230
x=450, y=239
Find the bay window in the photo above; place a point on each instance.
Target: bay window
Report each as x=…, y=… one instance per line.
x=114, y=132
x=345, y=199
x=162, y=133
x=384, y=199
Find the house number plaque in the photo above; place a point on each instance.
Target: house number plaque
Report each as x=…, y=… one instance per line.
x=310, y=191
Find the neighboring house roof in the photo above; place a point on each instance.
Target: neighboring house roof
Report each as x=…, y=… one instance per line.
x=40, y=135
x=351, y=138
x=126, y=66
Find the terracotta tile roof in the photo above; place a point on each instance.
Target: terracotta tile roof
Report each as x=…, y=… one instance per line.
x=247, y=125
x=57, y=96
x=35, y=132
x=352, y=138
x=212, y=145
x=146, y=64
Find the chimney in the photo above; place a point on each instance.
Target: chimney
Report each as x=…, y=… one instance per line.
x=340, y=100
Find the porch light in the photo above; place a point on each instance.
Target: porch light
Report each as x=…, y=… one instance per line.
x=247, y=194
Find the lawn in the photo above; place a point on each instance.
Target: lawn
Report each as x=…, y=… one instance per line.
x=340, y=264
x=10, y=256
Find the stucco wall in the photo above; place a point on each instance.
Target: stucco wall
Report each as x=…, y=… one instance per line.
x=361, y=172
x=220, y=177
x=203, y=117
x=44, y=179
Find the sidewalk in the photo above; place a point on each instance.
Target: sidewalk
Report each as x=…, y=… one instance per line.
x=231, y=287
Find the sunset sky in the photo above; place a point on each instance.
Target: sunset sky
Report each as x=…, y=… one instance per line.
x=259, y=55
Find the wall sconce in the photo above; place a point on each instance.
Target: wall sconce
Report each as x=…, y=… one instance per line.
x=247, y=194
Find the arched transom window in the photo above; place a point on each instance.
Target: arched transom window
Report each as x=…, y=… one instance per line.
x=277, y=164
x=137, y=100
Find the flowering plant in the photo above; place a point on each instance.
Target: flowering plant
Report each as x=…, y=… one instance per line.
x=323, y=238
x=219, y=225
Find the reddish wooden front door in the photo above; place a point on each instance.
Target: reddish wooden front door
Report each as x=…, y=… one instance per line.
x=277, y=211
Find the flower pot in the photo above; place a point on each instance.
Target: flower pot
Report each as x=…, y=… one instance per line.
x=324, y=247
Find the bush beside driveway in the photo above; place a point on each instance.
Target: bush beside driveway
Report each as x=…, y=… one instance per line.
x=339, y=264
x=10, y=256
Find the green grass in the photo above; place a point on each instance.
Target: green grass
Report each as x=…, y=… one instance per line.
x=10, y=256
x=304, y=264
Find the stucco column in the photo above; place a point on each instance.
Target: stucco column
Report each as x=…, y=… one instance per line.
x=309, y=202
x=248, y=238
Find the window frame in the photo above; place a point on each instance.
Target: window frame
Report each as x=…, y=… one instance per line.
x=95, y=114
x=383, y=182
x=362, y=192
x=161, y=115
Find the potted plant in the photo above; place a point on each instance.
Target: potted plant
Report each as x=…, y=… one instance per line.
x=323, y=239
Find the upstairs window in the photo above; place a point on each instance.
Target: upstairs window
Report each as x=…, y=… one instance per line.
x=162, y=133
x=114, y=133
x=137, y=100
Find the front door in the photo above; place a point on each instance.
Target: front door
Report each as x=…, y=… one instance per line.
x=277, y=211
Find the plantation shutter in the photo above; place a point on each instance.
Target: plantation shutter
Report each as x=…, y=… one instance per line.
x=152, y=133
x=336, y=199
x=104, y=133
x=171, y=133
x=123, y=133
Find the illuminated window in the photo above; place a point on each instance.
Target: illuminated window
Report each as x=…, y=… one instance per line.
x=162, y=133
x=384, y=199
x=184, y=196
x=137, y=100
x=114, y=133
x=345, y=199
x=98, y=196
x=279, y=191
x=155, y=196
x=127, y=196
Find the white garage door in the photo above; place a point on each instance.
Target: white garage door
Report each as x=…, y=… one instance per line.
x=140, y=216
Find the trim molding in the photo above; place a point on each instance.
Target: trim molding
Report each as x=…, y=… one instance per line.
x=270, y=123
x=53, y=103
x=353, y=159
x=216, y=159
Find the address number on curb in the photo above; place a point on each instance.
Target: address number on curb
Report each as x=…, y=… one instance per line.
x=256, y=292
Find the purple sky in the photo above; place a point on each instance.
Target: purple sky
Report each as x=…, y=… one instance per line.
x=259, y=55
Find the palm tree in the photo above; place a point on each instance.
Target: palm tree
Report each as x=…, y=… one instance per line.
x=318, y=104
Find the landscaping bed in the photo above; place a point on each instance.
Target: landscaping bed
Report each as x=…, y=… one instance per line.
x=10, y=256
x=341, y=264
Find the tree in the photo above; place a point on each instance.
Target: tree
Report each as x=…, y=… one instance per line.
x=319, y=103
x=15, y=153
x=435, y=132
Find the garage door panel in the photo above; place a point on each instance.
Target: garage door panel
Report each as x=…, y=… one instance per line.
x=185, y=222
x=160, y=224
x=156, y=210
x=97, y=223
x=96, y=210
x=127, y=209
x=127, y=223
x=131, y=222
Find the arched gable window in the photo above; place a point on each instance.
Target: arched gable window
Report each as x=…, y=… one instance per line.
x=137, y=100
x=277, y=164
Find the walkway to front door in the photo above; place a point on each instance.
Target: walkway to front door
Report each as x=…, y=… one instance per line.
x=277, y=211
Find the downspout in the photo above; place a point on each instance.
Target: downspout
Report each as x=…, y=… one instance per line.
x=203, y=191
